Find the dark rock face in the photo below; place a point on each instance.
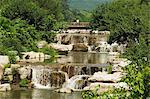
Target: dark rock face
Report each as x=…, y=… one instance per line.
x=92, y=40
x=1, y=72
x=80, y=47
x=57, y=79
x=89, y=70
x=16, y=77
x=70, y=70
x=66, y=40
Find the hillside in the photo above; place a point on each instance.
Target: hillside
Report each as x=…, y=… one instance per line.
x=85, y=4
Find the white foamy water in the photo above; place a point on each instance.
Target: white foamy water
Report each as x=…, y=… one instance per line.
x=75, y=82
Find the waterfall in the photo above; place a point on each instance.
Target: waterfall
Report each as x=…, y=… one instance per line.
x=46, y=78
x=40, y=78
x=76, y=82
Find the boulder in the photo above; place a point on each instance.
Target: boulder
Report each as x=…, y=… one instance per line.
x=80, y=47
x=5, y=87
x=10, y=77
x=24, y=72
x=124, y=62
x=115, y=46
x=4, y=59
x=104, y=77
x=33, y=57
x=102, y=47
x=47, y=57
x=65, y=39
x=103, y=87
x=15, y=66
x=17, y=58
x=64, y=90
x=8, y=71
x=117, y=68
x=61, y=47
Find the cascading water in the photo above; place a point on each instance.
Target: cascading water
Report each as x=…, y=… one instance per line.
x=41, y=78
x=46, y=78
x=76, y=82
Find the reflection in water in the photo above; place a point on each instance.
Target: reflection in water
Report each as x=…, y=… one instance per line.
x=38, y=94
x=84, y=57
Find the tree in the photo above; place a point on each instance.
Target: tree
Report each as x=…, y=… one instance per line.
x=31, y=12
x=124, y=18
x=17, y=35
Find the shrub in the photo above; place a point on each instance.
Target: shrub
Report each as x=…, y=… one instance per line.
x=48, y=51
x=12, y=57
x=6, y=66
x=23, y=82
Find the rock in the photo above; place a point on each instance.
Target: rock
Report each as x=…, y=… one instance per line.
x=104, y=77
x=4, y=59
x=10, y=77
x=24, y=72
x=103, y=87
x=41, y=44
x=1, y=72
x=8, y=71
x=124, y=62
x=17, y=58
x=64, y=90
x=121, y=63
x=15, y=66
x=117, y=68
x=122, y=85
x=33, y=57
x=102, y=47
x=115, y=46
x=114, y=57
x=80, y=47
x=5, y=87
x=65, y=39
x=61, y=47
x=47, y=57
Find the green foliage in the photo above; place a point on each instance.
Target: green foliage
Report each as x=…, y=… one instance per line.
x=111, y=94
x=12, y=57
x=3, y=50
x=125, y=19
x=138, y=72
x=29, y=11
x=110, y=69
x=24, y=22
x=47, y=36
x=139, y=52
x=24, y=82
x=43, y=14
x=7, y=66
x=48, y=51
x=17, y=35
